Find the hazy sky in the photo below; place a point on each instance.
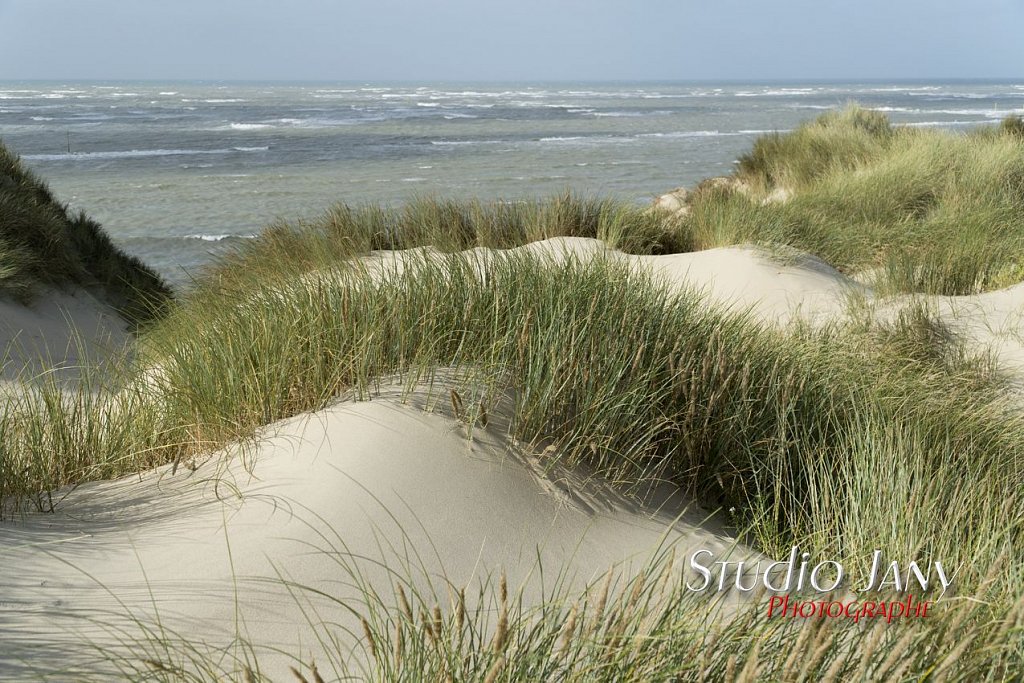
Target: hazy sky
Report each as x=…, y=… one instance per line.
x=510, y=39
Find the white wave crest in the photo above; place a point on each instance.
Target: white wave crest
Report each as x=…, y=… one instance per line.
x=136, y=154
x=469, y=142
x=218, y=238
x=684, y=134
x=939, y=124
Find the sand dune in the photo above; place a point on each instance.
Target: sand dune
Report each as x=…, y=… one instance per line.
x=993, y=320
x=779, y=286
x=378, y=480
x=775, y=286
x=383, y=482
x=57, y=332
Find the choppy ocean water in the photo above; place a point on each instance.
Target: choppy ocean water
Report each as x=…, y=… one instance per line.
x=177, y=172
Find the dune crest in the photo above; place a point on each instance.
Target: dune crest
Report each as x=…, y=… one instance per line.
x=361, y=483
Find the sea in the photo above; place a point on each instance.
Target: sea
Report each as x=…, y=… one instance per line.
x=180, y=172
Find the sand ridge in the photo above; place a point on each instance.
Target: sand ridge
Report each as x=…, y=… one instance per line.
x=776, y=286
x=780, y=286
x=364, y=483
x=392, y=481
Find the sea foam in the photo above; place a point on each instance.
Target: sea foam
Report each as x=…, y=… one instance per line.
x=136, y=153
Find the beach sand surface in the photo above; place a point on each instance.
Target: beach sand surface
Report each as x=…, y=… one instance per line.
x=57, y=333
x=384, y=489
x=378, y=490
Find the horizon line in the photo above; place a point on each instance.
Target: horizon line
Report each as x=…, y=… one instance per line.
x=499, y=81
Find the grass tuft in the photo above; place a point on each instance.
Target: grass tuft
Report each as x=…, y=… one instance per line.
x=43, y=244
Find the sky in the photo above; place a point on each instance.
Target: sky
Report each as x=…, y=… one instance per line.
x=510, y=40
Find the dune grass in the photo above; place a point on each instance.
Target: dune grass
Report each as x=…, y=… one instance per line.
x=811, y=437
x=647, y=627
x=42, y=244
x=858, y=436
x=907, y=209
x=641, y=626
x=345, y=231
x=924, y=210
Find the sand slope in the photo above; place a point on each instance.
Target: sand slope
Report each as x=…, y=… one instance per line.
x=775, y=286
x=388, y=483
x=781, y=286
x=380, y=480
x=57, y=331
x=994, y=321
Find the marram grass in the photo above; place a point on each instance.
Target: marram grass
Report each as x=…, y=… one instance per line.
x=921, y=210
x=811, y=437
x=840, y=440
x=43, y=244
x=907, y=209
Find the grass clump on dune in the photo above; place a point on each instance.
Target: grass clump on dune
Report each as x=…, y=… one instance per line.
x=814, y=438
x=834, y=142
x=344, y=231
x=42, y=244
x=913, y=209
x=908, y=209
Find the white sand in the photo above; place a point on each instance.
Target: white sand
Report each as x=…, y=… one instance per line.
x=390, y=481
x=377, y=479
x=993, y=321
x=778, y=287
x=57, y=332
x=775, y=287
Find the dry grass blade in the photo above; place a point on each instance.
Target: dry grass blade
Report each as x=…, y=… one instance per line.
x=496, y=669
x=370, y=641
